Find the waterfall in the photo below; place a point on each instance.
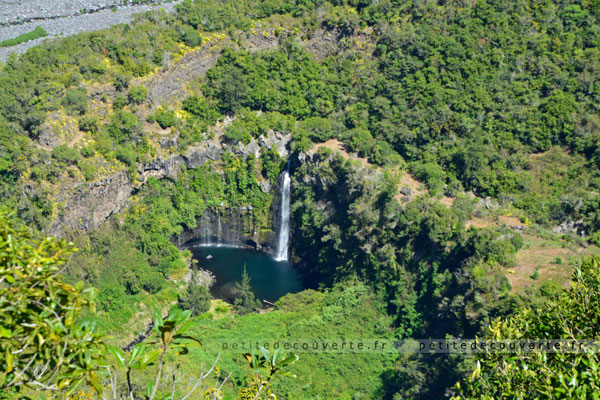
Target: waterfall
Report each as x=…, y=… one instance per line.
x=281, y=253
x=206, y=241
x=219, y=227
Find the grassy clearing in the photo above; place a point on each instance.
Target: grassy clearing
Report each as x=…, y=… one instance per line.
x=349, y=311
x=543, y=260
x=37, y=33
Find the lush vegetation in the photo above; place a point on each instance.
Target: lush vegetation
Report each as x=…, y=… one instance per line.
x=462, y=103
x=44, y=345
x=48, y=347
x=419, y=254
x=570, y=315
x=142, y=241
x=490, y=104
x=348, y=310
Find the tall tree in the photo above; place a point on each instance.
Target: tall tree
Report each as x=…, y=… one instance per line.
x=245, y=302
x=196, y=297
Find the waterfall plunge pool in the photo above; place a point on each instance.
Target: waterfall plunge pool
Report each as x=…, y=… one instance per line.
x=270, y=279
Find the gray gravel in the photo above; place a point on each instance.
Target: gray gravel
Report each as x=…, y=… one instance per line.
x=14, y=10
x=69, y=21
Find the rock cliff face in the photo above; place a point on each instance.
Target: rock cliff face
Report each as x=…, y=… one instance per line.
x=201, y=153
x=88, y=205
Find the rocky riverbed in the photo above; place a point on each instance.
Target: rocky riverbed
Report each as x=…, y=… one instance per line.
x=64, y=18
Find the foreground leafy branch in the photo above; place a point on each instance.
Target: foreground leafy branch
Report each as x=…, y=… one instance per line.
x=170, y=334
x=265, y=366
x=42, y=345
x=572, y=315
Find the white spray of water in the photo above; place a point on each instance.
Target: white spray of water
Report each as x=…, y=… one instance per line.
x=206, y=240
x=219, y=227
x=281, y=253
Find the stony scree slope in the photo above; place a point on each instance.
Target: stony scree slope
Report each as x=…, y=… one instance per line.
x=63, y=18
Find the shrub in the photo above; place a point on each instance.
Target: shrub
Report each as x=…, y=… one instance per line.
x=542, y=374
x=88, y=124
x=126, y=155
x=75, y=100
x=43, y=335
x=201, y=108
x=137, y=95
x=432, y=174
x=121, y=82
x=234, y=135
x=318, y=129
x=87, y=169
x=87, y=151
x=191, y=37
x=152, y=282
x=119, y=102
x=164, y=118
x=65, y=154
x=123, y=126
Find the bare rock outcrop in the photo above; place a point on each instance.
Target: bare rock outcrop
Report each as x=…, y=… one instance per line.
x=88, y=205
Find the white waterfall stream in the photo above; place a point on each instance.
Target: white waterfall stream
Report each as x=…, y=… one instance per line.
x=206, y=240
x=219, y=227
x=281, y=252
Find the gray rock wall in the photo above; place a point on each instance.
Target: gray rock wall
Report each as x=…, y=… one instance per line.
x=88, y=205
x=239, y=227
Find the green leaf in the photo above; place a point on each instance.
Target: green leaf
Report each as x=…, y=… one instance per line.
x=90, y=324
x=136, y=352
x=73, y=385
x=9, y=361
x=118, y=353
x=184, y=316
x=5, y=332
x=174, y=315
x=148, y=358
x=266, y=354
x=286, y=373
x=276, y=355
x=187, y=325
x=157, y=319
x=189, y=338
x=150, y=389
x=292, y=358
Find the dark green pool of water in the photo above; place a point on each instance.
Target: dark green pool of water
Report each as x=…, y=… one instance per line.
x=269, y=279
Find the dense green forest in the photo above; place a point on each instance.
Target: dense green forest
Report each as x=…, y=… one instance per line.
x=433, y=145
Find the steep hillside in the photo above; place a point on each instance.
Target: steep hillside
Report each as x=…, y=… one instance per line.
x=444, y=161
